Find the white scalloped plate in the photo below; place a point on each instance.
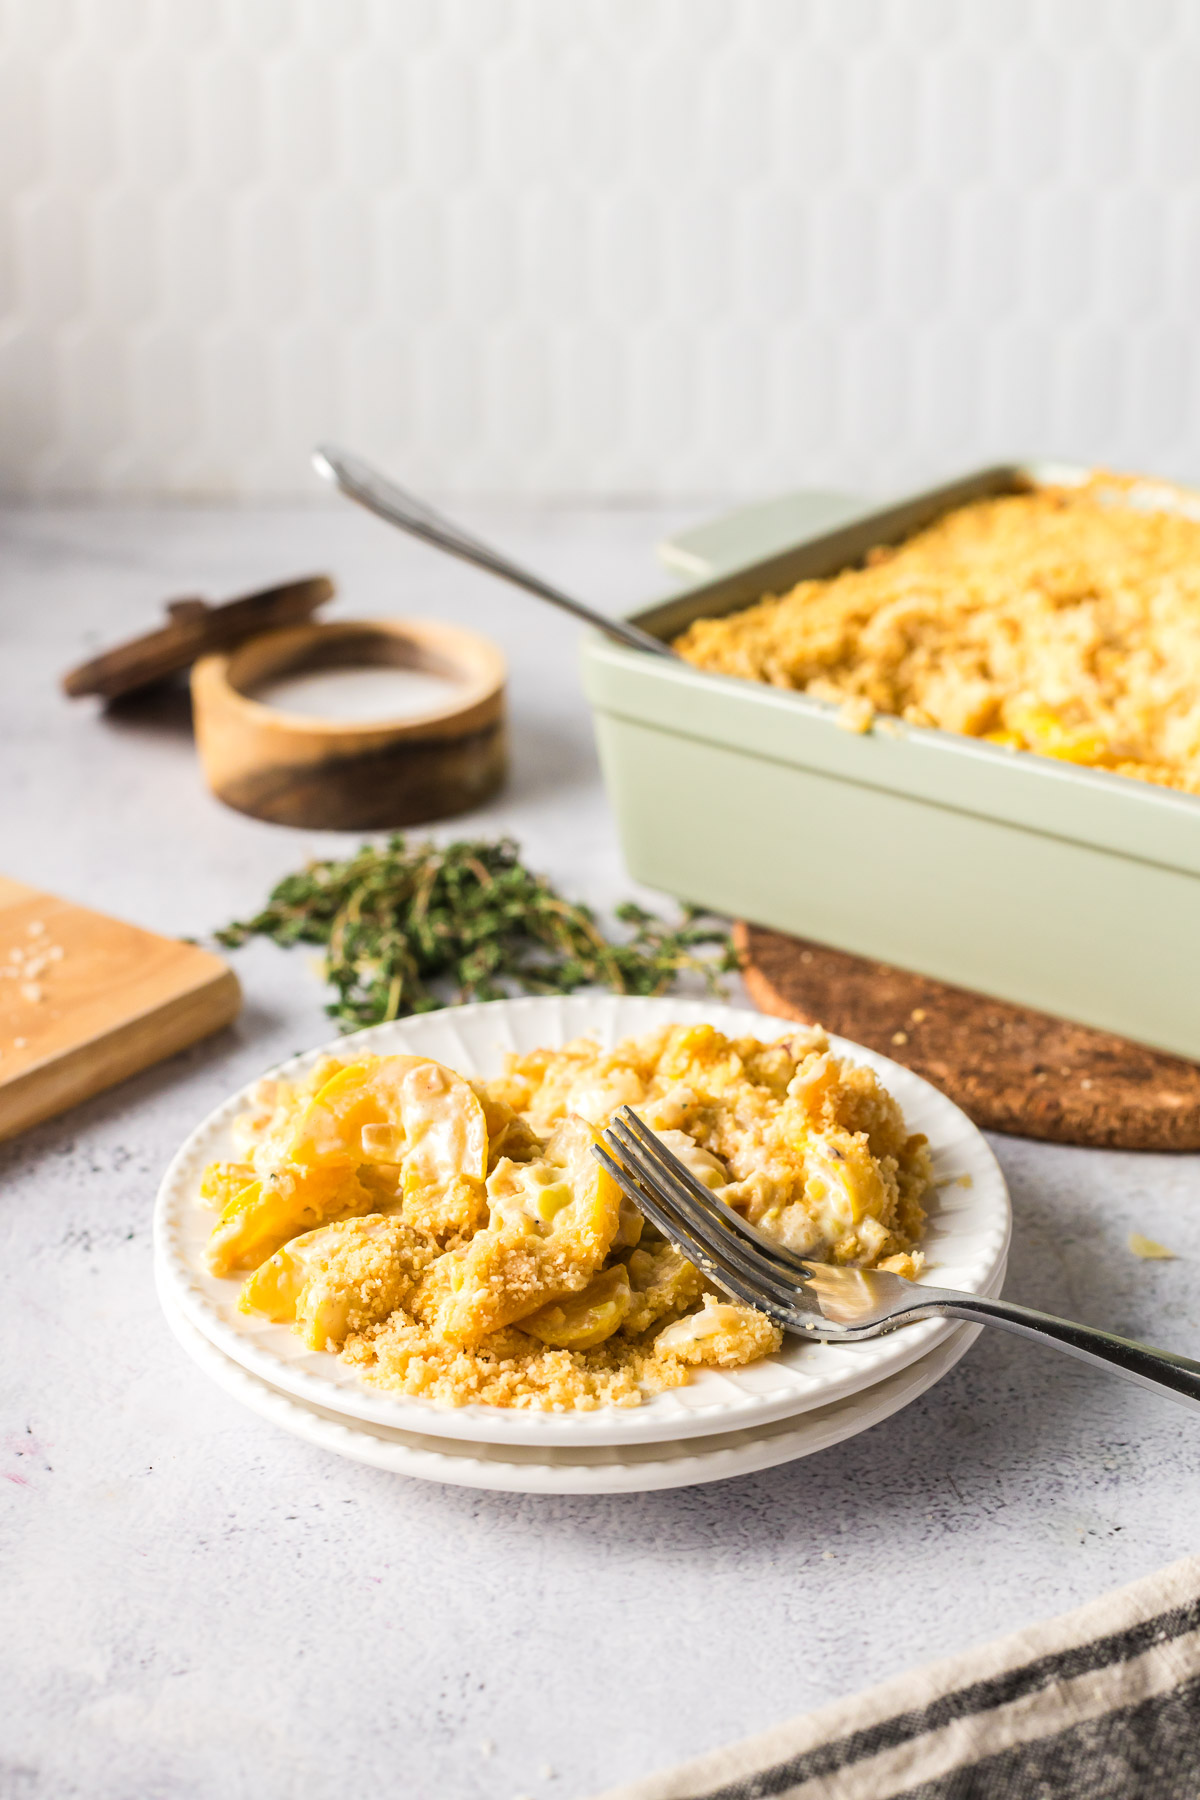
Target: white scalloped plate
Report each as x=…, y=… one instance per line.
x=966, y=1243
x=605, y=1469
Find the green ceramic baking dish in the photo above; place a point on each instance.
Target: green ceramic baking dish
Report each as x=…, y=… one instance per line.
x=1040, y=882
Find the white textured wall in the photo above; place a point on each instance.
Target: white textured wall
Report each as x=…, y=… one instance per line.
x=594, y=246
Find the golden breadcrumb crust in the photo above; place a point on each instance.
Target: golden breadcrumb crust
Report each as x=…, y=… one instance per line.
x=1064, y=621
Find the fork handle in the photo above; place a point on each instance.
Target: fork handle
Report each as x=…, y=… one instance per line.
x=1178, y=1377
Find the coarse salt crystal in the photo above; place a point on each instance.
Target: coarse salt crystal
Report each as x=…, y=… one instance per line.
x=31, y=991
x=35, y=927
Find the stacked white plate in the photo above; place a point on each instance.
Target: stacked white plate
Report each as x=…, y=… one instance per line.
x=725, y=1423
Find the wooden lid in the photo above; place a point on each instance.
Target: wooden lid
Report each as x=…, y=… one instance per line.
x=195, y=628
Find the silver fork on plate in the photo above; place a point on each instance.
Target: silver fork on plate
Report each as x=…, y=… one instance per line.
x=834, y=1304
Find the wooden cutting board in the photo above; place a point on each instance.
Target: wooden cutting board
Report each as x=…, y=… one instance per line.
x=1008, y=1067
x=86, y=1000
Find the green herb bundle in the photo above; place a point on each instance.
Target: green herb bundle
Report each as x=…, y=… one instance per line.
x=411, y=927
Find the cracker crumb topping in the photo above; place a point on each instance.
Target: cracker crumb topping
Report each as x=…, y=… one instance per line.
x=1064, y=621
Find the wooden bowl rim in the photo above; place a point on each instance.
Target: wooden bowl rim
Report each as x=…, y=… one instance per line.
x=481, y=662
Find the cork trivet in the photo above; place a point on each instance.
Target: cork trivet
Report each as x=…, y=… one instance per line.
x=1009, y=1068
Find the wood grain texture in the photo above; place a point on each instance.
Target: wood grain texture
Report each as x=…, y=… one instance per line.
x=116, y=1000
x=194, y=628
x=1009, y=1068
x=345, y=775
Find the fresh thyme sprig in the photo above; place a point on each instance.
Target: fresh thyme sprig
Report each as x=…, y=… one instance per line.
x=407, y=928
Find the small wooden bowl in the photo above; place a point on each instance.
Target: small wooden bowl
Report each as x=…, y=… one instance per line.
x=343, y=774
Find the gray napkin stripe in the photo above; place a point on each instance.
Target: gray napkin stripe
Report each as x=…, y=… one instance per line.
x=1099, y=1704
x=1150, y=1751
x=979, y=1697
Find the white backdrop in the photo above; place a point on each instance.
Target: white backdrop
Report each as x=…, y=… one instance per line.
x=607, y=247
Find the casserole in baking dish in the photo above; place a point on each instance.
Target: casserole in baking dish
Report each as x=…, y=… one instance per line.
x=1044, y=881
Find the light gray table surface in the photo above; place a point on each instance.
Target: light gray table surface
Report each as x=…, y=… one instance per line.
x=196, y=1604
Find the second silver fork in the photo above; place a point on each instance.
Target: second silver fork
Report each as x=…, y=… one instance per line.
x=838, y=1304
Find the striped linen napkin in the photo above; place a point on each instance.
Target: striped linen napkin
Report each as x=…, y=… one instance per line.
x=1101, y=1704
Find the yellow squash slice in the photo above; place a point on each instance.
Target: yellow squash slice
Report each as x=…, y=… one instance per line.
x=408, y=1110
x=663, y=1282
x=405, y=1111
x=551, y=1225
x=267, y=1212
x=586, y=1319
x=224, y=1181
x=335, y=1280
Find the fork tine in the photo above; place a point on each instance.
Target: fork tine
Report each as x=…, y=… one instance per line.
x=718, y=1246
x=713, y=1263
x=715, y=1250
x=794, y=1266
x=710, y=1226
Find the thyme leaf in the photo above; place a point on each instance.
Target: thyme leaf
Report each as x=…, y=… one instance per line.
x=410, y=927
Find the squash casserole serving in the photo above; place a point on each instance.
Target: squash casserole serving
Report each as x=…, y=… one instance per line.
x=456, y=1239
x=1064, y=620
